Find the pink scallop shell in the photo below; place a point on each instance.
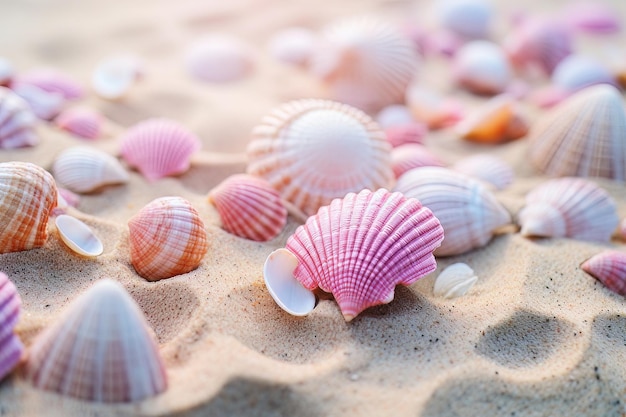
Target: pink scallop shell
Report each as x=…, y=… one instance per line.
x=52, y=81
x=81, y=122
x=487, y=168
x=11, y=347
x=360, y=247
x=17, y=121
x=413, y=133
x=159, y=148
x=608, y=267
x=407, y=157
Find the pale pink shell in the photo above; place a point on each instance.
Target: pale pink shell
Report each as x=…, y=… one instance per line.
x=410, y=156
x=487, y=168
x=569, y=207
x=608, y=267
x=11, y=347
x=482, y=67
x=467, y=18
x=411, y=133
x=159, y=148
x=17, y=121
x=52, y=81
x=360, y=247
x=249, y=207
x=81, y=122
x=45, y=104
x=593, y=17
x=101, y=349
x=578, y=71
x=219, y=58
x=167, y=238
x=293, y=45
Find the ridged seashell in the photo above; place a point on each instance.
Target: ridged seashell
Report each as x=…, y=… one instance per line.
x=584, y=136
x=101, y=349
x=81, y=122
x=84, y=169
x=428, y=107
x=360, y=247
x=312, y=151
x=249, y=207
x=608, y=267
x=78, y=236
x=219, y=58
x=467, y=18
x=592, y=17
x=293, y=45
x=482, y=67
x=411, y=133
x=28, y=194
x=394, y=115
x=365, y=62
x=7, y=72
x=487, y=168
x=578, y=71
x=113, y=77
x=17, y=121
x=52, y=81
x=454, y=281
x=498, y=120
x=159, y=148
x=167, y=238
x=45, y=104
x=410, y=156
x=569, y=207
x=11, y=347
x=469, y=213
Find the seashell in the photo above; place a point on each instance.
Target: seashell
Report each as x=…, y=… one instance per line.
x=569, y=207
x=394, y=115
x=496, y=121
x=17, y=121
x=45, y=104
x=285, y=289
x=84, y=169
x=52, y=81
x=365, y=62
x=592, y=17
x=312, y=151
x=293, y=45
x=482, y=67
x=167, y=238
x=411, y=133
x=469, y=213
x=7, y=72
x=455, y=281
x=249, y=207
x=608, y=267
x=81, y=122
x=78, y=236
x=487, y=168
x=101, y=349
x=583, y=136
x=467, y=18
x=410, y=156
x=430, y=108
x=67, y=198
x=159, y=148
x=360, y=247
x=219, y=58
x=113, y=77
x=577, y=71
x=27, y=196
x=11, y=347
x=439, y=43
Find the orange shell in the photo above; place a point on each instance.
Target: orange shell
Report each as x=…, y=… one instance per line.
x=496, y=122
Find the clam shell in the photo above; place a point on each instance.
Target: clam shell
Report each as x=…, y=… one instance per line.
x=101, y=349
x=583, y=136
x=411, y=133
x=84, y=169
x=293, y=45
x=482, y=67
x=7, y=72
x=81, y=122
x=159, y=148
x=28, y=194
x=167, y=238
x=288, y=292
x=410, y=156
x=44, y=104
x=114, y=76
x=454, y=281
x=219, y=58
x=467, y=18
x=569, y=207
x=487, y=168
x=469, y=213
x=78, y=236
x=249, y=207
x=577, y=71
x=17, y=121
x=312, y=151
x=11, y=347
x=608, y=267
x=52, y=81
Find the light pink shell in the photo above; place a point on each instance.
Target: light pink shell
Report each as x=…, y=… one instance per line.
x=413, y=132
x=410, y=156
x=487, y=168
x=11, y=347
x=569, y=207
x=45, y=104
x=17, y=121
x=52, y=81
x=249, y=207
x=482, y=67
x=81, y=122
x=592, y=17
x=360, y=247
x=608, y=267
x=159, y=148
x=100, y=349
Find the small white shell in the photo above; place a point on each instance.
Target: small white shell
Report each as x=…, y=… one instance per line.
x=219, y=58
x=454, y=281
x=284, y=288
x=482, y=67
x=113, y=77
x=78, y=236
x=17, y=121
x=84, y=169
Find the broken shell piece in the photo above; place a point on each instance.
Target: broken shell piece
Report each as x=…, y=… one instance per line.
x=219, y=58
x=284, y=288
x=498, y=120
x=608, y=267
x=78, y=236
x=454, y=281
x=115, y=76
x=482, y=67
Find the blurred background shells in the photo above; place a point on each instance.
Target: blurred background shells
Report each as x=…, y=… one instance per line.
x=482, y=67
x=52, y=81
x=410, y=133
x=293, y=45
x=17, y=121
x=578, y=71
x=46, y=105
x=592, y=17
x=84, y=169
x=114, y=76
x=219, y=58
x=410, y=156
x=7, y=72
x=11, y=347
x=82, y=122
x=608, y=267
x=467, y=18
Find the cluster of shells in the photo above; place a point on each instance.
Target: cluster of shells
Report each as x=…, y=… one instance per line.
x=376, y=205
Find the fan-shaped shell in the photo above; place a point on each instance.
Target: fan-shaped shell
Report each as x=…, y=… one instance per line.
x=219, y=58
x=81, y=122
x=469, y=213
x=312, y=151
x=410, y=156
x=101, y=349
x=583, y=136
x=577, y=71
x=569, y=207
x=487, y=168
x=482, y=67
x=84, y=169
x=28, y=194
x=467, y=18
x=608, y=267
x=454, y=281
x=496, y=121
x=249, y=207
x=159, y=148
x=17, y=121
x=360, y=247
x=167, y=238
x=11, y=347
x=52, y=81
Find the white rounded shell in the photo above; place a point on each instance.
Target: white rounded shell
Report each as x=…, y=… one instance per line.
x=78, y=236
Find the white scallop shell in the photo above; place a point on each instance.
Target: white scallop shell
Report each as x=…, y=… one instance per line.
x=487, y=168
x=454, y=281
x=482, y=67
x=219, y=58
x=78, y=236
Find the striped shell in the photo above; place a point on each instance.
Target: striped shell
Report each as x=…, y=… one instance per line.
x=487, y=168
x=52, y=81
x=482, y=67
x=17, y=121
x=469, y=213
x=583, y=136
x=312, y=151
x=84, y=123
x=159, y=148
x=410, y=156
x=496, y=121
x=167, y=238
x=608, y=267
x=249, y=207
x=101, y=349
x=84, y=169
x=11, y=347
x=569, y=207
x=219, y=58
x=28, y=194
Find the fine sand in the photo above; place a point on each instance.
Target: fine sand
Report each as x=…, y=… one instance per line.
x=536, y=336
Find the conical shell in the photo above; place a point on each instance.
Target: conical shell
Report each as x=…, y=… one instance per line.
x=100, y=349
x=569, y=207
x=608, y=267
x=17, y=121
x=312, y=151
x=81, y=122
x=249, y=207
x=469, y=213
x=84, y=169
x=360, y=247
x=159, y=148
x=167, y=238
x=584, y=136
x=407, y=157
x=487, y=168
x=11, y=347
x=454, y=281
x=496, y=121
x=52, y=81
x=482, y=68
x=28, y=194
